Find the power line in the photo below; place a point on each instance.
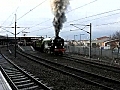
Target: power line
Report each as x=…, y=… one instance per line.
x=109, y=23
x=40, y=4
x=70, y=11
x=100, y=25
x=82, y=6
x=43, y=28
x=40, y=23
x=7, y=30
x=12, y=18
x=12, y=13
x=101, y=17
x=35, y=26
x=81, y=18
x=94, y=15
x=74, y=9
x=31, y=10
x=50, y=19
x=25, y=13
x=105, y=24
x=11, y=22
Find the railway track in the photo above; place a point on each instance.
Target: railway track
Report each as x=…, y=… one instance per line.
x=94, y=64
x=88, y=65
x=102, y=81
x=18, y=78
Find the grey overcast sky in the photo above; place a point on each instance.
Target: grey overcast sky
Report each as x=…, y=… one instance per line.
x=35, y=17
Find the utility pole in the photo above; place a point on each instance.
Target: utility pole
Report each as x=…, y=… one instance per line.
x=90, y=40
x=80, y=38
x=15, y=35
x=74, y=37
x=7, y=41
x=90, y=32
x=15, y=32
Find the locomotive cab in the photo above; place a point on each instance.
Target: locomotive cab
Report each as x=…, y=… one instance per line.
x=58, y=45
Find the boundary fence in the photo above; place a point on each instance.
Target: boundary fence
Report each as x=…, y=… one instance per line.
x=95, y=52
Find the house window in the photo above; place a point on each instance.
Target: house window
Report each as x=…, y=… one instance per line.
x=105, y=44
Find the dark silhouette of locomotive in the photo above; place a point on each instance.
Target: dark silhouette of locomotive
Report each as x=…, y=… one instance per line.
x=50, y=45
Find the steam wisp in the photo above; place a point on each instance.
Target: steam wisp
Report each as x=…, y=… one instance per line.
x=58, y=8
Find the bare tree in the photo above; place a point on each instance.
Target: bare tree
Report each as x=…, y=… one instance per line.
x=116, y=35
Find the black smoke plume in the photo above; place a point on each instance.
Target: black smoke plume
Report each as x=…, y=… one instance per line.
x=58, y=8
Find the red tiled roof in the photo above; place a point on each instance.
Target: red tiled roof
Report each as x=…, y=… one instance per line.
x=100, y=38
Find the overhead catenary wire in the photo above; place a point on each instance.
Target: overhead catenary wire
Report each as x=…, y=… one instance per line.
x=39, y=23
x=31, y=10
x=82, y=6
x=93, y=19
x=101, y=17
x=12, y=18
x=83, y=18
x=94, y=15
x=33, y=26
x=50, y=19
x=76, y=8
x=97, y=25
x=109, y=23
x=25, y=13
x=12, y=14
x=11, y=21
x=7, y=30
x=7, y=18
x=66, y=22
x=42, y=28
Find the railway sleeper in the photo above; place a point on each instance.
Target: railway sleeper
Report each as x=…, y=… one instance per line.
x=19, y=79
x=32, y=87
x=10, y=68
x=17, y=73
x=26, y=85
x=13, y=70
x=15, y=77
x=25, y=81
x=12, y=75
x=9, y=71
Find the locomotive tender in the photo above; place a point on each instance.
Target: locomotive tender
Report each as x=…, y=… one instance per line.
x=50, y=45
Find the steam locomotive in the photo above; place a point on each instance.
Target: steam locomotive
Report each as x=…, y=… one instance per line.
x=50, y=45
